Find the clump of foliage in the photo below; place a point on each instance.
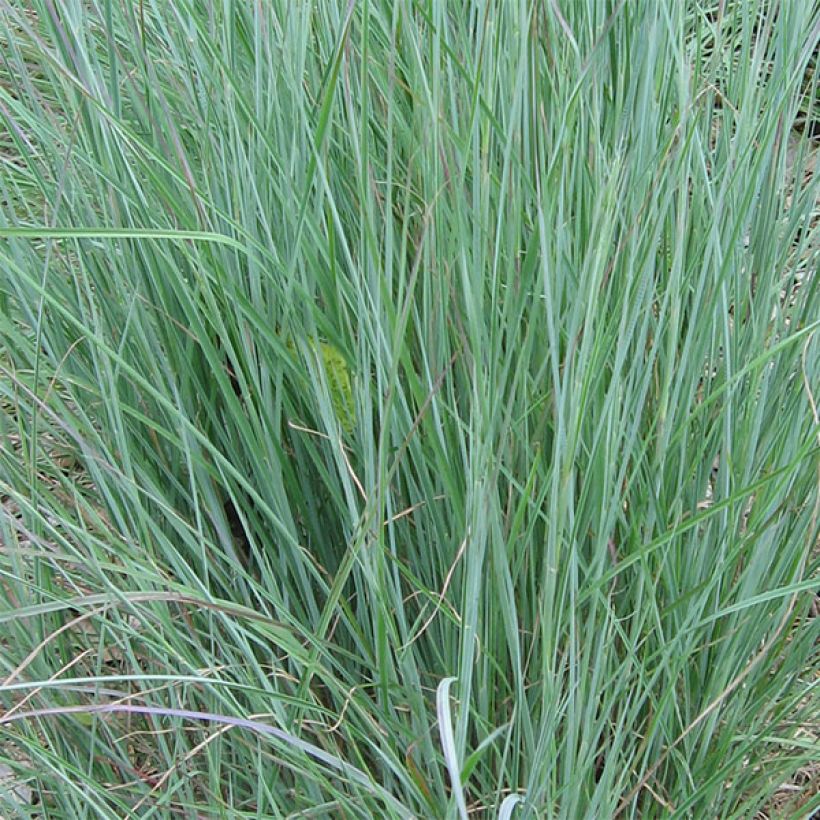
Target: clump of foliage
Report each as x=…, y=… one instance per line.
x=408, y=408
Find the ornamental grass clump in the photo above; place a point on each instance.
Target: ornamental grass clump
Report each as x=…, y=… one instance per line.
x=409, y=409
